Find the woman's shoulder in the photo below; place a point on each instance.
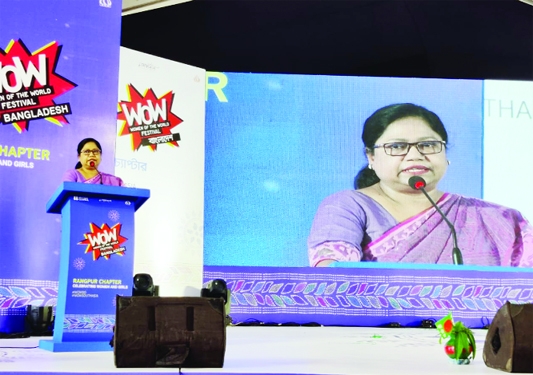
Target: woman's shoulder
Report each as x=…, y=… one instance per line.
x=481, y=205
x=351, y=197
x=471, y=201
x=71, y=175
x=110, y=179
x=346, y=194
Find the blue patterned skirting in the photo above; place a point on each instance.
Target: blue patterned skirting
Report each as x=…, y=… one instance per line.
x=371, y=295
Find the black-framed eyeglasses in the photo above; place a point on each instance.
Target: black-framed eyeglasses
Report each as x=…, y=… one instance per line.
x=402, y=148
x=95, y=152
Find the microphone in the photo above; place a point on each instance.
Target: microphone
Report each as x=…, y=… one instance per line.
x=94, y=166
x=418, y=183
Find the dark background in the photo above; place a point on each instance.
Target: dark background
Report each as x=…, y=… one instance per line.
x=440, y=39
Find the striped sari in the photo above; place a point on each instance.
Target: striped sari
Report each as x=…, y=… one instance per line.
x=487, y=234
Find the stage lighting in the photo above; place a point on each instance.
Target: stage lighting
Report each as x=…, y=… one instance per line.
x=143, y=285
x=218, y=289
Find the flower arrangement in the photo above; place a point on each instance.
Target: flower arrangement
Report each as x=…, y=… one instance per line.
x=460, y=345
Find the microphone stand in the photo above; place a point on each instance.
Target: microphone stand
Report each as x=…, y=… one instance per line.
x=418, y=183
x=457, y=256
x=97, y=171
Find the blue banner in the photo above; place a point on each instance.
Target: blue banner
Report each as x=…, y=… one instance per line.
x=58, y=85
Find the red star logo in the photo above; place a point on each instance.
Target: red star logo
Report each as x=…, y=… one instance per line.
x=104, y=241
x=148, y=119
x=30, y=85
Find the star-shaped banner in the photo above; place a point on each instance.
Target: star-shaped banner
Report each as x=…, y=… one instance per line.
x=29, y=84
x=104, y=241
x=148, y=119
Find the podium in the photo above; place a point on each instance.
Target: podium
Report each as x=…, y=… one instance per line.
x=96, y=262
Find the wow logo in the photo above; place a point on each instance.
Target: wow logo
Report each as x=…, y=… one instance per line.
x=148, y=119
x=104, y=241
x=29, y=84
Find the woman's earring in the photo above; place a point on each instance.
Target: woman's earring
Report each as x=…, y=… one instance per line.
x=449, y=162
x=370, y=166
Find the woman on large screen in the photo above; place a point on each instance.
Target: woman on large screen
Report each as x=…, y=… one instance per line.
x=387, y=220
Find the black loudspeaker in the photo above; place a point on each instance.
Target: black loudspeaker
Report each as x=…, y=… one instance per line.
x=169, y=332
x=509, y=343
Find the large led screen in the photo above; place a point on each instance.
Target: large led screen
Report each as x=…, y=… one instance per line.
x=277, y=145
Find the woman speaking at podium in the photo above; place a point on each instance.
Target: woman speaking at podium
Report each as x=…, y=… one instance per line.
x=388, y=219
x=86, y=170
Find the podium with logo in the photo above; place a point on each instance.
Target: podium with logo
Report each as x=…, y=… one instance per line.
x=96, y=262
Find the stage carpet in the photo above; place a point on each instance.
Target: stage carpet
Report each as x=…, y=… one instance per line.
x=275, y=350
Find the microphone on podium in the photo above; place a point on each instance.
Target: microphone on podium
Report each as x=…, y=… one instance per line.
x=418, y=183
x=93, y=166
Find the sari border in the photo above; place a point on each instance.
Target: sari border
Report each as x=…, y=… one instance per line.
x=402, y=226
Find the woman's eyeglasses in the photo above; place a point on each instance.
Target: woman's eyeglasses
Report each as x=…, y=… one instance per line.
x=89, y=152
x=403, y=148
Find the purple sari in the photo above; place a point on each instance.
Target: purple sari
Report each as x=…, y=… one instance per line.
x=73, y=175
x=359, y=228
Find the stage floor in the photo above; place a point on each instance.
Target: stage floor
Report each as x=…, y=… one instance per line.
x=276, y=350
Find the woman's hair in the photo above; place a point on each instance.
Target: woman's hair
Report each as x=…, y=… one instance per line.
x=380, y=120
x=82, y=143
